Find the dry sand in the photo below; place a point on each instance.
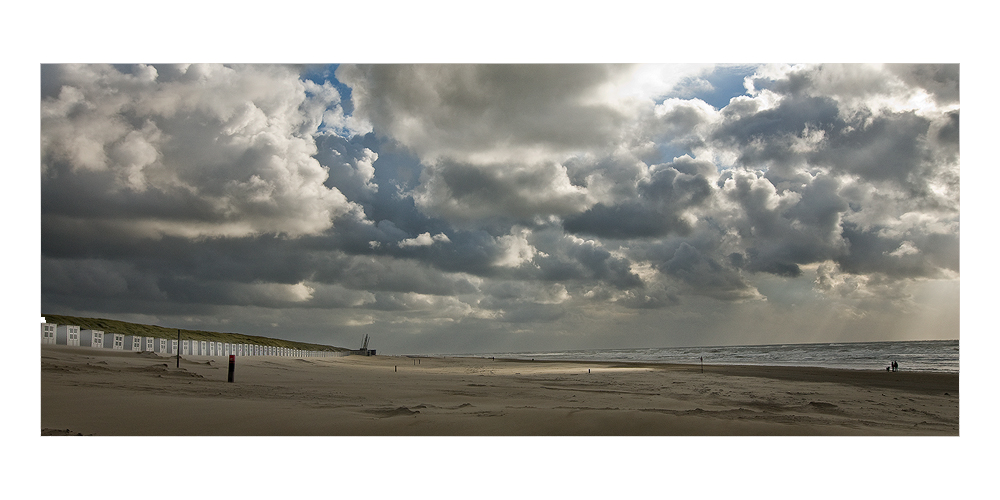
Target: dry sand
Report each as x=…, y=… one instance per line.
x=102, y=392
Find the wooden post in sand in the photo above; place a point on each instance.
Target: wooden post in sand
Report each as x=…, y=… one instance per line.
x=232, y=366
x=702, y=364
x=178, y=348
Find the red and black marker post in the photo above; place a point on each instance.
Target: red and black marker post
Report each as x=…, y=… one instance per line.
x=232, y=366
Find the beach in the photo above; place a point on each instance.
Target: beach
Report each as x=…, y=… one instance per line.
x=102, y=392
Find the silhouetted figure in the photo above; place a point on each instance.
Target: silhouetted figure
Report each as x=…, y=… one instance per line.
x=895, y=366
x=888, y=368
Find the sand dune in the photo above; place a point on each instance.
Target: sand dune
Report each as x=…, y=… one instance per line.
x=103, y=392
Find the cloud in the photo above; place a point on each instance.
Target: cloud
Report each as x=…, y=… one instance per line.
x=660, y=206
x=424, y=239
x=495, y=139
x=199, y=150
x=515, y=249
x=486, y=205
x=468, y=193
x=488, y=113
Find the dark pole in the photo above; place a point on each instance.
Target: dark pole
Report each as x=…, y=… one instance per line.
x=178, y=348
x=232, y=366
x=703, y=364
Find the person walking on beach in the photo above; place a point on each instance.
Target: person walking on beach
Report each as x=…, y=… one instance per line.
x=895, y=366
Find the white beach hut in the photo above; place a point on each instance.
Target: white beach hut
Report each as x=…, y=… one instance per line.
x=68, y=335
x=150, y=342
x=92, y=338
x=186, y=347
x=173, y=347
x=114, y=341
x=133, y=343
x=203, y=348
x=49, y=333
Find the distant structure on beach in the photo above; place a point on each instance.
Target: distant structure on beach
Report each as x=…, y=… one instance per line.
x=364, y=351
x=71, y=335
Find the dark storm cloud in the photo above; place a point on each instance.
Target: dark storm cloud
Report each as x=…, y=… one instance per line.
x=899, y=256
x=791, y=116
x=889, y=147
x=467, y=192
x=394, y=275
x=705, y=275
x=567, y=258
x=696, y=264
x=780, y=231
x=658, y=208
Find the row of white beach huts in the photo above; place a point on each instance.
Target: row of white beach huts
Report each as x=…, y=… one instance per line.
x=72, y=335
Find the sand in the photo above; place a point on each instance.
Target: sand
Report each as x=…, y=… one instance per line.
x=102, y=393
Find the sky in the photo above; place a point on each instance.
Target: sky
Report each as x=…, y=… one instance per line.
x=466, y=208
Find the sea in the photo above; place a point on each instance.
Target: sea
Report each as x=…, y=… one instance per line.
x=918, y=356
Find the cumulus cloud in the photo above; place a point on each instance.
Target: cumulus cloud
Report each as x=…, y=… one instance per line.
x=199, y=150
x=515, y=249
x=424, y=239
x=495, y=139
x=661, y=204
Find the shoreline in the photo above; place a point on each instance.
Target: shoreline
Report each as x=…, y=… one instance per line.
x=103, y=392
x=922, y=381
